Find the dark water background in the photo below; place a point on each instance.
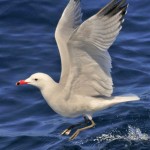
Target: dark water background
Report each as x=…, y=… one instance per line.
x=27, y=45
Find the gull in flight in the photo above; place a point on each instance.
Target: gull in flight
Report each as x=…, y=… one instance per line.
x=85, y=84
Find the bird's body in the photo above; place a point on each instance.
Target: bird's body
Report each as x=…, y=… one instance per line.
x=85, y=85
x=83, y=105
x=78, y=105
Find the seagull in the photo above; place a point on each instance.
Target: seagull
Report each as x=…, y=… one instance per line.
x=85, y=85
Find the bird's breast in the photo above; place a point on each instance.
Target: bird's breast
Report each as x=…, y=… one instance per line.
x=67, y=108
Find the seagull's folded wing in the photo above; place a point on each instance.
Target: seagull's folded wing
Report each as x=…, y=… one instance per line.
x=70, y=20
x=90, y=62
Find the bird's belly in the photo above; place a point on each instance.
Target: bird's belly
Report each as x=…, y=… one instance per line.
x=67, y=111
x=68, y=108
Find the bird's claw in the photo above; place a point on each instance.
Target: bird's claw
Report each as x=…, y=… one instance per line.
x=66, y=132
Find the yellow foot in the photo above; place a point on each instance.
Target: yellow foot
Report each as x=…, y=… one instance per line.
x=82, y=129
x=66, y=132
x=74, y=135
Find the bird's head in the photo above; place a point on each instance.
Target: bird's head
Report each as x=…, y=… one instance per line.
x=39, y=80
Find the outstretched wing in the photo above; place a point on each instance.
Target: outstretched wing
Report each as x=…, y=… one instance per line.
x=70, y=20
x=90, y=61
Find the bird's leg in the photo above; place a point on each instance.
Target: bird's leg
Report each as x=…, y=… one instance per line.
x=79, y=130
x=68, y=130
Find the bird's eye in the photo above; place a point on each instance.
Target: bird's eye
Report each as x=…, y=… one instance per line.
x=36, y=79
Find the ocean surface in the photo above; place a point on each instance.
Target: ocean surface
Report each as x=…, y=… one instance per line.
x=27, y=46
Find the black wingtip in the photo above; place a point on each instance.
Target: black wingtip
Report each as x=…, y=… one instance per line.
x=124, y=9
x=114, y=7
x=77, y=1
x=107, y=8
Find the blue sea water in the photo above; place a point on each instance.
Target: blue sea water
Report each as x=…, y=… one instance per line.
x=27, y=45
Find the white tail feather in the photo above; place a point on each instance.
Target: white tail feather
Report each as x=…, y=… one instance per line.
x=100, y=104
x=125, y=98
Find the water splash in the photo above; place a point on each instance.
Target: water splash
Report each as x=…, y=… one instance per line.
x=134, y=134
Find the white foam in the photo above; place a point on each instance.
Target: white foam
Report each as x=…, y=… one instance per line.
x=133, y=134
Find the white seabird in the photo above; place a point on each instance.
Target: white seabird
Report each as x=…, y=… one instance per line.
x=86, y=84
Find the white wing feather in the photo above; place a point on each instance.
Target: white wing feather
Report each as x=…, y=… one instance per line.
x=70, y=20
x=90, y=62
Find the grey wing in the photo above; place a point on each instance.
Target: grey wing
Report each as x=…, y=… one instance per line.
x=90, y=61
x=70, y=20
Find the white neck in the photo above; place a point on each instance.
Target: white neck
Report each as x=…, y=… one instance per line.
x=48, y=91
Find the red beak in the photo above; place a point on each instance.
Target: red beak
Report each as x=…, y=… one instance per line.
x=21, y=82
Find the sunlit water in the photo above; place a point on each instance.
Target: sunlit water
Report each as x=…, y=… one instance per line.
x=27, y=45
